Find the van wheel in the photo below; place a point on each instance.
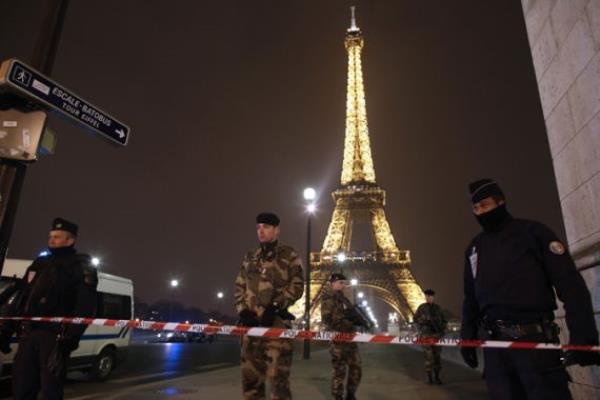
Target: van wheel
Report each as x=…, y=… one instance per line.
x=103, y=365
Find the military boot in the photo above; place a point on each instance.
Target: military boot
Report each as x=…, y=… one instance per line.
x=429, y=378
x=437, y=378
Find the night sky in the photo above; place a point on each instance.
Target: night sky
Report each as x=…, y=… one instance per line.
x=237, y=106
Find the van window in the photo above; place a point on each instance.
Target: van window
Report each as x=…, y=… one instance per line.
x=113, y=306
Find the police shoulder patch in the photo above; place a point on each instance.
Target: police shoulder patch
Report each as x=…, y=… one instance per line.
x=557, y=247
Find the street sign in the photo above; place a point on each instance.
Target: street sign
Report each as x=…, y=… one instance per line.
x=24, y=80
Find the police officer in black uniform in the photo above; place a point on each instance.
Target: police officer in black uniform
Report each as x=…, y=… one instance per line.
x=511, y=271
x=61, y=284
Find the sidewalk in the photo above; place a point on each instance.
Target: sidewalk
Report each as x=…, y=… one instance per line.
x=389, y=372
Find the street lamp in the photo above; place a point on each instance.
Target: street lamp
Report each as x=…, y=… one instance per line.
x=364, y=303
x=361, y=295
x=95, y=261
x=341, y=257
x=309, y=195
x=353, y=281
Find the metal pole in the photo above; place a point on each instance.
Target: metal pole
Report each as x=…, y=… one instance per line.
x=171, y=300
x=307, y=289
x=12, y=173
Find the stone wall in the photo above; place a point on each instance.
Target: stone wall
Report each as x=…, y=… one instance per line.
x=564, y=36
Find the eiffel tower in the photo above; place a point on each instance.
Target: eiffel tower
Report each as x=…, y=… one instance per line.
x=384, y=269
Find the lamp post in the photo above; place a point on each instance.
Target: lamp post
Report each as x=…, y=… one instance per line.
x=174, y=283
x=353, y=283
x=220, y=296
x=309, y=195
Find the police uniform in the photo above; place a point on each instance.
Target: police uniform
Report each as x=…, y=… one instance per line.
x=270, y=281
x=62, y=283
x=345, y=358
x=511, y=271
x=432, y=323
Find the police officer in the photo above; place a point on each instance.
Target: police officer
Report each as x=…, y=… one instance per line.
x=432, y=323
x=512, y=269
x=337, y=315
x=62, y=283
x=270, y=281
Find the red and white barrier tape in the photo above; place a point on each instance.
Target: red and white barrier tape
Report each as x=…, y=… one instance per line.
x=322, y=336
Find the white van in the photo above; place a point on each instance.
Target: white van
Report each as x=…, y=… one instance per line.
x=101, y=347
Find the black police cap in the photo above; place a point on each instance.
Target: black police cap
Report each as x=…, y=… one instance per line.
x=61, y=224
x=267, y=218
x=337, y=277
x=483, y=188
x=429, y=292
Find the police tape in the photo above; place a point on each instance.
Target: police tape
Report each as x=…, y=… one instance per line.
x=298, y=334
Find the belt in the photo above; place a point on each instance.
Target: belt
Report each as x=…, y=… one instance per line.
x=515, y=330
x=501, y=329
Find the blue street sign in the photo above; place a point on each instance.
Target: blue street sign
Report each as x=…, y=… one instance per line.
x=26, y=80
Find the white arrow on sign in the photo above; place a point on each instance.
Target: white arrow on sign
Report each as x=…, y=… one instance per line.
x=121, y=133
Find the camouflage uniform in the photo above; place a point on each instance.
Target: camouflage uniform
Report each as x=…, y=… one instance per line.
x=432, y=324
x=271, y=275
x=344, y=356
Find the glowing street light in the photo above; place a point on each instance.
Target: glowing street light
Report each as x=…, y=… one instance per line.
x=353, y=282
x=220, y=295
x=311, y=208
x=174, y=283
x=95, y=261
x=341, y=257
x=361, y=295
x=310, y=194
x=364, y=303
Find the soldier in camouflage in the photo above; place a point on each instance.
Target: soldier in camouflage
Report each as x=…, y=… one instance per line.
x=432, y=325
x=270, y=281
x=336, y=316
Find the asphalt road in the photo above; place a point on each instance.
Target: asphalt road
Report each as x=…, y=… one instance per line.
x=149, y=361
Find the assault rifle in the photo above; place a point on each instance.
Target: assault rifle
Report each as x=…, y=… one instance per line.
x=357, y=315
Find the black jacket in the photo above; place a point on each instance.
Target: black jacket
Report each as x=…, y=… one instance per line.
x=58, y=286
x=511, y=274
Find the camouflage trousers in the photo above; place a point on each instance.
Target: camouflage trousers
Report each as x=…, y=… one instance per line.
x=345, y=359
x=262, y=359
x=433, y=361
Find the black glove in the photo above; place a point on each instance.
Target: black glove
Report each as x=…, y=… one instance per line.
x=469, y=355
x=69, y=344
x=582, y=358
x=268, y=317
x=57, y=358
x=248, y=318
x=286, y=315
x=4, y=343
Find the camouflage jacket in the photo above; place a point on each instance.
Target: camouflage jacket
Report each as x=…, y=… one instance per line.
x=334, y=311
x=269, y=277
x=430, y=319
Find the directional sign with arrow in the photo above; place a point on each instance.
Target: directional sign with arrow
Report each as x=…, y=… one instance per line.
x=15, y=76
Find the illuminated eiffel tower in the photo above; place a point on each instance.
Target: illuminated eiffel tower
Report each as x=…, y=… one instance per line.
x=384, y=269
